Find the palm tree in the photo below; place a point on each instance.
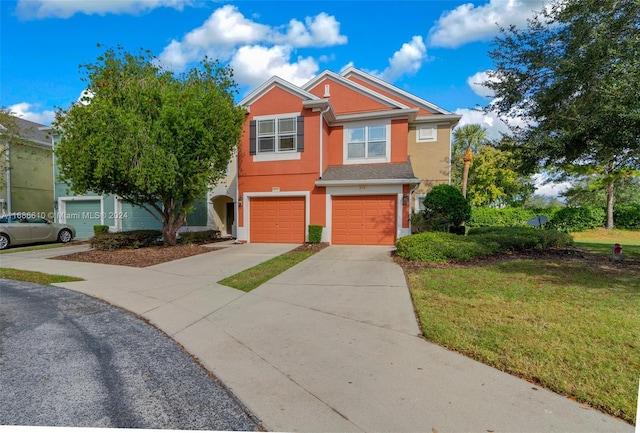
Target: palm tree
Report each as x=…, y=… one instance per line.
x=467, y=138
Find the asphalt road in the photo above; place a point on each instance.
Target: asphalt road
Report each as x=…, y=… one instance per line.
x=69, y=360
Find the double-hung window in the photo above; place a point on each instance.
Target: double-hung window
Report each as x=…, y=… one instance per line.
x=276, y=135
x=367, y=142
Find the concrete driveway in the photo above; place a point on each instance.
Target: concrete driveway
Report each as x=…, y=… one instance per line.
x=331, y=345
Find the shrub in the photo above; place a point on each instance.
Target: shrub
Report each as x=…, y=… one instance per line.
x=199, y=237
x=131, y=239
x=100, y=229
x=438, y=247
x=315, y=234
x=508, y=217
x=445, y=206
x=577, y=219
x=627, y=217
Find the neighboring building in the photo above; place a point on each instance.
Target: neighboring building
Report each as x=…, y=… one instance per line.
x=348, y=152
x=26, y=173
x=83, y=211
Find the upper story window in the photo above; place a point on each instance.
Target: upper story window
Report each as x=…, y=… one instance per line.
x=273, y=137
x=367, y=143
x=276, y=135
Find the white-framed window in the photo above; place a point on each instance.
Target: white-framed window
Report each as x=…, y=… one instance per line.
x=367, y=142
x=276, y=135
x=419, y=202
x=426, y=133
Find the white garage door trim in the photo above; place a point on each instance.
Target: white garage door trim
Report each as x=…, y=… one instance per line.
x=61, y=215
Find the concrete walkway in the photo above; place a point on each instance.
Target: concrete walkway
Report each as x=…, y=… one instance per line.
x=331, y=345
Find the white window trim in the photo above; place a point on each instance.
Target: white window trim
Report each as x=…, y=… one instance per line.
x=345, y=137
x=433, y=137
x=419, y=199
x=277, y=117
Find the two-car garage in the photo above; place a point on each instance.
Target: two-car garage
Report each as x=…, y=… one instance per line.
x=354, y=220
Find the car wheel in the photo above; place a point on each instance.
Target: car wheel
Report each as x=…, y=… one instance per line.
x=4, y=241
x=64, y=236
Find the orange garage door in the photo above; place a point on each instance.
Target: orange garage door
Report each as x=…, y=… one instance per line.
x=364, y=220
x=277, y=219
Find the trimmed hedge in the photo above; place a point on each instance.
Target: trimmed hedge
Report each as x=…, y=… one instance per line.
x=507, y=217
x=100, y=229
x=439, y=247
x=627, y=217
x=315, y=234
x=131, y=239
x=199, y=237
x=577, y=219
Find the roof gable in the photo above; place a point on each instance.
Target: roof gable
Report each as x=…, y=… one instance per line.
x=276, y=82
x=375, y=84
x=380, y=100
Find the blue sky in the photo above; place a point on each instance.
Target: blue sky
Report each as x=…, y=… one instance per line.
x=436, y=50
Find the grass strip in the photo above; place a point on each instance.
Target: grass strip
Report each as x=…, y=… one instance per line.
x=35, y=277
x=34, y=248
x=570, y=327
x=251, y=278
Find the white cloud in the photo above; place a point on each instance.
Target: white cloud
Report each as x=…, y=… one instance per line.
x=406, y=61
x=469, y=23
x=547, y=188
x=475, y=82
x=227, y=32
x=320, y=31
x=253, y=65
x=24, y=110
x=39, y=9
x=490, y=121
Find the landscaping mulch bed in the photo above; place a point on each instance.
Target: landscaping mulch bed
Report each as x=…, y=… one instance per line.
x=149, y=256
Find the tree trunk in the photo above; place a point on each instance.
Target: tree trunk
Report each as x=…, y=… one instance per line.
x=171, y=223
x=610, y=190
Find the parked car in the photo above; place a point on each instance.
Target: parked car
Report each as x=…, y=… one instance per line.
x=21, y=229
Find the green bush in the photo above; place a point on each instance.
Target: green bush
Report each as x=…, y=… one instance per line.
x=131, y=239
x=508, y=217
x=627, y=217
x=445, y=206
x=438, y=247
x=199, y=237
x=315, y=234
x=99, y=229
x=577, y=219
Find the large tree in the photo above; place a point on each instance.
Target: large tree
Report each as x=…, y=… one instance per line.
x=572, y=75
x=156, y=139
x=492, y=179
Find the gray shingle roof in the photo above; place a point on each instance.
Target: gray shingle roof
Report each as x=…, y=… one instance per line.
x=29, y=131
x=384, y=171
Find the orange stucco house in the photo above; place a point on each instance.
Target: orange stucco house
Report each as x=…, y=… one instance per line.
x=348, y=152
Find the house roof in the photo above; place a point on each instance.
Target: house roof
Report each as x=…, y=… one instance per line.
x=392, y=103
x=375, y=81
x=388, y=173
x=31, y=131
x=276, y=82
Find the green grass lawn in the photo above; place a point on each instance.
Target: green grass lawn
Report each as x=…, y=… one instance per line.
x=572, y=327
x=35, y=277
x=251, y=278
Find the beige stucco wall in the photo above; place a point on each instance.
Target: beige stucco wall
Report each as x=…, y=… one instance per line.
x=31, y=180
x=430, y=160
